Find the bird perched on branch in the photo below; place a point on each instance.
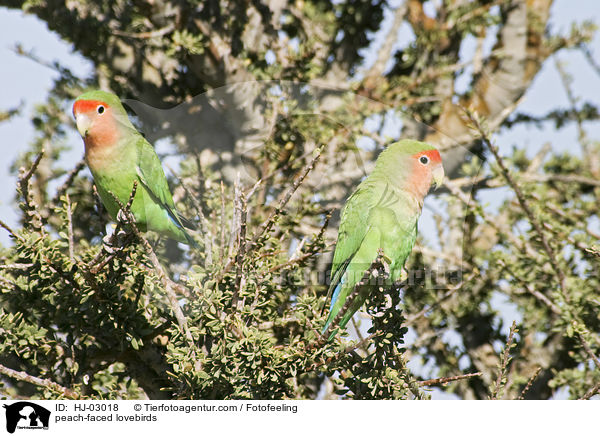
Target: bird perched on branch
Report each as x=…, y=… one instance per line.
x=381, y=214
x=117, y=155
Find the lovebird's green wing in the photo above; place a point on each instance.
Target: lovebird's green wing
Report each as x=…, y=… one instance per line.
x=153, y=180
x=353, y=229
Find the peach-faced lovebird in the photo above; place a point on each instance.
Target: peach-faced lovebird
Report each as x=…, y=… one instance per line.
x=381, y=214
x=117, y=155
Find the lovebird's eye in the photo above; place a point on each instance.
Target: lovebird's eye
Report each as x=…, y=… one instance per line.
x=100, y=109
x=424, y=160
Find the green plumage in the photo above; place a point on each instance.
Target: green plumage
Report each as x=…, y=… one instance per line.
x=380, y=214
x=132, y=158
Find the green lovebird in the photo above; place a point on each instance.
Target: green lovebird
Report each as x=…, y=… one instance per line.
x=117, y=155
x=381, y=214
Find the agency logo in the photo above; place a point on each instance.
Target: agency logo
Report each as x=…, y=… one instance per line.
x=26, y=415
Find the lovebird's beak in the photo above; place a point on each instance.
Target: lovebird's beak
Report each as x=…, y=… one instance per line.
x=83, y=124
x=438, y=176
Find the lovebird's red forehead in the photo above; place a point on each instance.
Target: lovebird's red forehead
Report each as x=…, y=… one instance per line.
x=82, y=106
x=433, y=155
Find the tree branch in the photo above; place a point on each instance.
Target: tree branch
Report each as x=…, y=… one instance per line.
x=37, y=381
x=445, y=380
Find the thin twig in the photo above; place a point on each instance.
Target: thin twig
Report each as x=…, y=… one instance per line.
x=588, y=350
x=266, y=226
x=564, y=178
x=288, y=166
x=70, y=228
x=9, y=230
x=527, y=285
x=447, y=294
x=68, y=182
x=529, y=383
x=357, y=329
x=23, y=376
x=55, y=66
x=361, y=343
x=204, y=225
x=483, y=182
x=444, y=380
x=474, y=13
x=491, y=221
x=592, y=159
x=309, y=249
x=222, y=238
x=294, y=261
x=593, y=391
x=585, y=49
x=146, y=35
x=235, y=218
x=17, y=266
x=239, y=276
x=504, y=361
x=24, y=178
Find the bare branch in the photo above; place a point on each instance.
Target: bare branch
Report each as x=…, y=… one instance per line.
x=25, y=176
x=445, y=380
x=593, y=391
x=10, y=231
x=37, y=381
x=239, y=277
x=585, y=49
x=529, y=383
x=70, y=229
x=222, y=238
x=68, y=182
x=450, y=292
x=268, y=224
